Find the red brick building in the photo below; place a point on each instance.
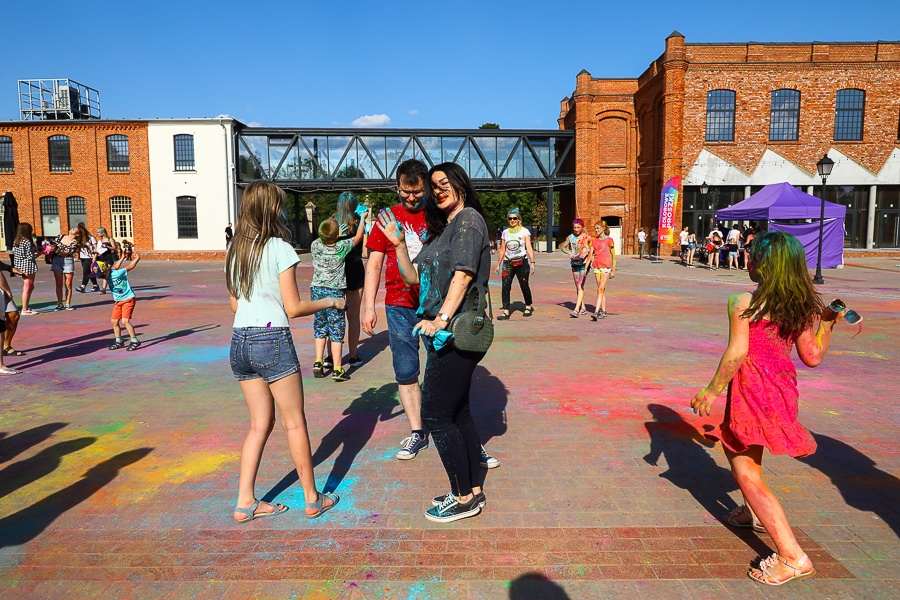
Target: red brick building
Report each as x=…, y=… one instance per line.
x=740, y=116
x=63, y=172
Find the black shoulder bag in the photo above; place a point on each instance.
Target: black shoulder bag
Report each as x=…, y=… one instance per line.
x=473, y=326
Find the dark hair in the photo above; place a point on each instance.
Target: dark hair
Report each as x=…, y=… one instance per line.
x=435, y=218
x=412, y=170
x=24, y=232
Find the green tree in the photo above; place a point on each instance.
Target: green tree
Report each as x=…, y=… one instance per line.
x=488, y=126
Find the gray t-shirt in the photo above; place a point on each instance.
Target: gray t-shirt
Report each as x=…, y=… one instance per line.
x=463, y=246
x=328, y=263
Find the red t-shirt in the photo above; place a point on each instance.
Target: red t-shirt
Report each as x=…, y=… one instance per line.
x=396, y=292
x=602, y=256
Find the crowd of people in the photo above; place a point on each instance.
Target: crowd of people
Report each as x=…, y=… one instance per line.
x=434, y=249
x=104, y=263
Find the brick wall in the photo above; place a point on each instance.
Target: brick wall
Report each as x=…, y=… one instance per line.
x=664, y=110
x=89, y=176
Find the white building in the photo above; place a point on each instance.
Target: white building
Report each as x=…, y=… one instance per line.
x=192, y=182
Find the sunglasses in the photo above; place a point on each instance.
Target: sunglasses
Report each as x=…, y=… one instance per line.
x=512, y=218
x=851, y=316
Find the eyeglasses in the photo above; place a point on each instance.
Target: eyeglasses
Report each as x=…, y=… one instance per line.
x=408, y=193
x=512, y=218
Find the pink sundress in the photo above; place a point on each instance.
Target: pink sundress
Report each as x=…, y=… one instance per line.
x=763, y=399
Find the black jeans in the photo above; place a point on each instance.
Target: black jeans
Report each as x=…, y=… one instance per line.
x=445, y=413
x=521, y=273
x=86, y=272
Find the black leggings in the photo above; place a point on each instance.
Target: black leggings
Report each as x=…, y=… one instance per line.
x=86, y=272
x=521, y=273
x=445, y=412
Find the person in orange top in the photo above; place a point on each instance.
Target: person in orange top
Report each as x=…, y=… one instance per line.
x=604, y=264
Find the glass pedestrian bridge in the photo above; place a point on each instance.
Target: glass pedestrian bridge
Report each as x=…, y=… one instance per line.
x=336, y=159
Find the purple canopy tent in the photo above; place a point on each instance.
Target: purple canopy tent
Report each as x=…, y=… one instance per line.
x=783, y=202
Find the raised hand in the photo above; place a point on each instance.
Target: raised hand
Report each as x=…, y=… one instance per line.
x=391, y=229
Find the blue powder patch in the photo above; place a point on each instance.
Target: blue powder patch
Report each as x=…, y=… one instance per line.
x=201, y=354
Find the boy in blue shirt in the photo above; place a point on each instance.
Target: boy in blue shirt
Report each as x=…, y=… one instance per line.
x=124, y=299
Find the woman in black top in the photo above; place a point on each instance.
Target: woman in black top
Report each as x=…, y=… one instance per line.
x=347, y=216
x=456, y=256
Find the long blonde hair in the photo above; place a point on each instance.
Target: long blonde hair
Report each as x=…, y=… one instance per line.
x=259, y=220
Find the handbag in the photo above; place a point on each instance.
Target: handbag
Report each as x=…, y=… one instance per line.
x=472, y=327
x=517, y=262
x=577, y=262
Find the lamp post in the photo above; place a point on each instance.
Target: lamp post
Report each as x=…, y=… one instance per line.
x=824, y=168
x=704, y=188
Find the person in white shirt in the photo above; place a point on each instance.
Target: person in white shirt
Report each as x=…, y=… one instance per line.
x=684, y=236
x=642, y=242
x=733, y=242
x=515, y=260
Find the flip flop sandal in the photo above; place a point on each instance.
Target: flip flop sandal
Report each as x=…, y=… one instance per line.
x=12, y=352
x=754, y=524
x=7, y=371
x=503, y=317
x=252, y=514
x=318, y=505
x=528, y=312
x=762, y=575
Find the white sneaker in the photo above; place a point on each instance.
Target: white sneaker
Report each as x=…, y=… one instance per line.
x=488, y=461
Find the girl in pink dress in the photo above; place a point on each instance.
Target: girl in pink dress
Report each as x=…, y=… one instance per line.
x=761, y=410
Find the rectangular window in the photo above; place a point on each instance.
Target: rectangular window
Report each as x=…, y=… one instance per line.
x=49, y=216
x=117, y=158
x=184, y=152
x=77, y=209
x=6, y=154
x=120, y=212
x=186, y=207
x=720, y=116
x=849, y=109
x=784, y=116
x=60, y=156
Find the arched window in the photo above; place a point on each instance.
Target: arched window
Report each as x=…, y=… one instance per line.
x=6, y=154
x=77, y=209
x=117, y=158
x=60, y=156
x=849, y=109
x=186, y=209
x=120, y=213
x=184, y=152
x=784, y=116
x=49, y=216
x=720, y=116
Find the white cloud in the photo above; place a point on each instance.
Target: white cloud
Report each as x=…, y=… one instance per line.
x=372, y=121
x=254, y=124
x=414, y=112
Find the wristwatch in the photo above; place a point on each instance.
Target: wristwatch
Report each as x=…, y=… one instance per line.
x=444, y=317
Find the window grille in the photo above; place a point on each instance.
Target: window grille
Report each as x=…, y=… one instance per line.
x=720, y=116
x=60, y=155
x=186, y=207
x=117, y=156
x=184, y=152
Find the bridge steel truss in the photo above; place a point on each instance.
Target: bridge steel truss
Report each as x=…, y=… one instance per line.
x=324, y=160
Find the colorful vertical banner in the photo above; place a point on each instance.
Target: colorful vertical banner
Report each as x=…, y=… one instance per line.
x=668, y=204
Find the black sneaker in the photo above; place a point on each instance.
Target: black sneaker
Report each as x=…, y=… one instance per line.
x=482, y=500
x=452, y=510
x=354, y=361
x=60, y=307
x=488, y=461
x=116, y=345
x=96, y=288
x=327, y=363
x=411, y=445
x=80, y=289
x=340, y=375
x=318, y=369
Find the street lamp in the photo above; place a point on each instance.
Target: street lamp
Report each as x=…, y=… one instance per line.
x=824, y=168
x=704, y=188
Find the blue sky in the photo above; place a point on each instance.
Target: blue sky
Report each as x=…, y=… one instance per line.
x=394, y=64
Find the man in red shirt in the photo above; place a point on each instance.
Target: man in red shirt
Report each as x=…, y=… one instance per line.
x=400, y=301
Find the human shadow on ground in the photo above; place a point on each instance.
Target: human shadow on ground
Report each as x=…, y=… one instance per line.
x=107, y=300
x=862, y=485
x=351, y=434
x=24, y=472
x=65, y=350
x=488, y=398
x=368, y=348
x=26, y=524
x=147, y=343
x=691, y=468
x=535, y=586
x=13, y=445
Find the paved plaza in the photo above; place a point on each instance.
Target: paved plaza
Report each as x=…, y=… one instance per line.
x=118, y=471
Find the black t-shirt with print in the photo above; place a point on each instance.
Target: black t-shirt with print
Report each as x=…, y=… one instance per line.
x=463, y=246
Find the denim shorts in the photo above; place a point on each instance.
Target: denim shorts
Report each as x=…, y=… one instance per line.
x=404, y=345
x=63, y=264
x=266, y=352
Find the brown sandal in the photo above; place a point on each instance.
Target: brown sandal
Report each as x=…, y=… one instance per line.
x=762, y=574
